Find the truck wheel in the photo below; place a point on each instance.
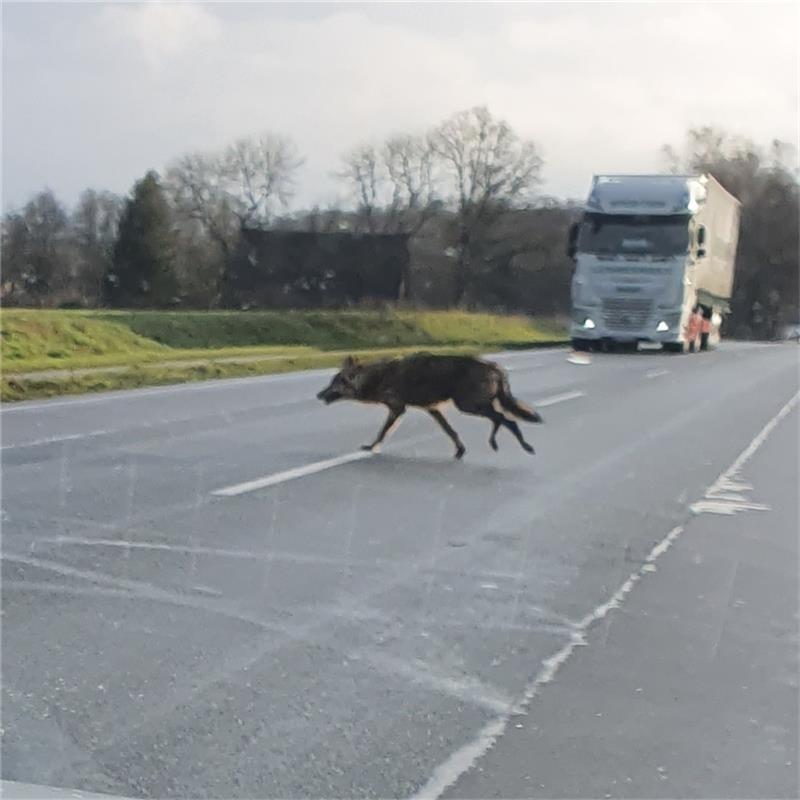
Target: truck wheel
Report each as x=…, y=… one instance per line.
x=581, y=345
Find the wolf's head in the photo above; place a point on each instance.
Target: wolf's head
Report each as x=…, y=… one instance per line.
x=344, y=385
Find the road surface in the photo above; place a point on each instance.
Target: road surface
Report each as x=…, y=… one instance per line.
x=209, y=592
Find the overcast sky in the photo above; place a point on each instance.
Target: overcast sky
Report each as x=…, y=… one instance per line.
x=97, y=94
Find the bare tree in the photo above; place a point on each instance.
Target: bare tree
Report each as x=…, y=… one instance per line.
x=259, y=176
x=394, y=184
x=410, y=164
x=239, y=187
x=736, y=162
x=489, y=168
x=197, y=187
x=362, y=169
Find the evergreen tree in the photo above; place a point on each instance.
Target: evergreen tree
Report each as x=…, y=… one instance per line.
x=142, y=273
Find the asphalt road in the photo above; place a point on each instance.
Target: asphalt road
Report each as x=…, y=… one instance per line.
x=207, y=593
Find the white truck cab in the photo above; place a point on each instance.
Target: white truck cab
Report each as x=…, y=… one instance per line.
x=654, y=261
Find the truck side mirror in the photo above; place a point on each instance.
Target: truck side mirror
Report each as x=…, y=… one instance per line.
x=572, y=241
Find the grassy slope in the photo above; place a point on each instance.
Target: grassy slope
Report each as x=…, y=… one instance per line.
x=328, y=330
x=149, y=343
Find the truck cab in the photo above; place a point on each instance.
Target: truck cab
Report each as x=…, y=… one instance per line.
x=651, y=253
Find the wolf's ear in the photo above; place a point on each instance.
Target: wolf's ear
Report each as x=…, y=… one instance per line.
x=349, y=363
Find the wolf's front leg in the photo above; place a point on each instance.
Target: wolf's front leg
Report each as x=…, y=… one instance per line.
x=391, y=423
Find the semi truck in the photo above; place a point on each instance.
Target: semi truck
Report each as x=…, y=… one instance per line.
x=654, y=262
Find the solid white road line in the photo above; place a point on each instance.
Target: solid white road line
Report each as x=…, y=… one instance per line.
x=290, y=474
x=464, y=759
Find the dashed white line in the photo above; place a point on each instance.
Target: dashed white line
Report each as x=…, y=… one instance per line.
x=656, y=373
x=290, y=474
x=329, y=463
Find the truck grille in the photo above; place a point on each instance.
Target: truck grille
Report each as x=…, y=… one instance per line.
x=626, y=313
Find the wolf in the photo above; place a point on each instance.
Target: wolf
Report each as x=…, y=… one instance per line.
x=428, y=381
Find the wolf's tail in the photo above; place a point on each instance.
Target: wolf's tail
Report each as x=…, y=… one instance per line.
x=514, y=406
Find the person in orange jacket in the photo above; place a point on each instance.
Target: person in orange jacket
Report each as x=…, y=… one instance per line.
x=694, y=327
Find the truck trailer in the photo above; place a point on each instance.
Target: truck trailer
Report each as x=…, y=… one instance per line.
x=654, y=262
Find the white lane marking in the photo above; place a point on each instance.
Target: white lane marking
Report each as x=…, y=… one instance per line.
x=727, y=494
x=656, y=373
x=463, y=759
x=582, y=359
x=735, y=468
x=533, y=351
x=14, y=790
x=465, y=688
x=558, y=398
x=330, y=463
x=290, y=474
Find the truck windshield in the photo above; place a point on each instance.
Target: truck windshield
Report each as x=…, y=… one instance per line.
x=617, y=234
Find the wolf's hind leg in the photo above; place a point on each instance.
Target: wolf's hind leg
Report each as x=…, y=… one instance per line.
x=491, y=413
x=449, y=430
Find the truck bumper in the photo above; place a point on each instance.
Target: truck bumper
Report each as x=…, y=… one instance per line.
x=588, y=325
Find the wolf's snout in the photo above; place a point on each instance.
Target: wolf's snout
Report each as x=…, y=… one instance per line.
x=328, y=395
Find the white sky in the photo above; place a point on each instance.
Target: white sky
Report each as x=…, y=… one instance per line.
x=96, y=94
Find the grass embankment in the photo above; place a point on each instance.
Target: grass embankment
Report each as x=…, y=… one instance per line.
x=47, y=353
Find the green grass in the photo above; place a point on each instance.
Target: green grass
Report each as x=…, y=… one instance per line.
x=326, y=330
x=28, y=387
x=55, y=338
x=147, y=344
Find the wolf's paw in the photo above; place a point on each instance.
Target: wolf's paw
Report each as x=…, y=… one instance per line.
x=460, y=453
